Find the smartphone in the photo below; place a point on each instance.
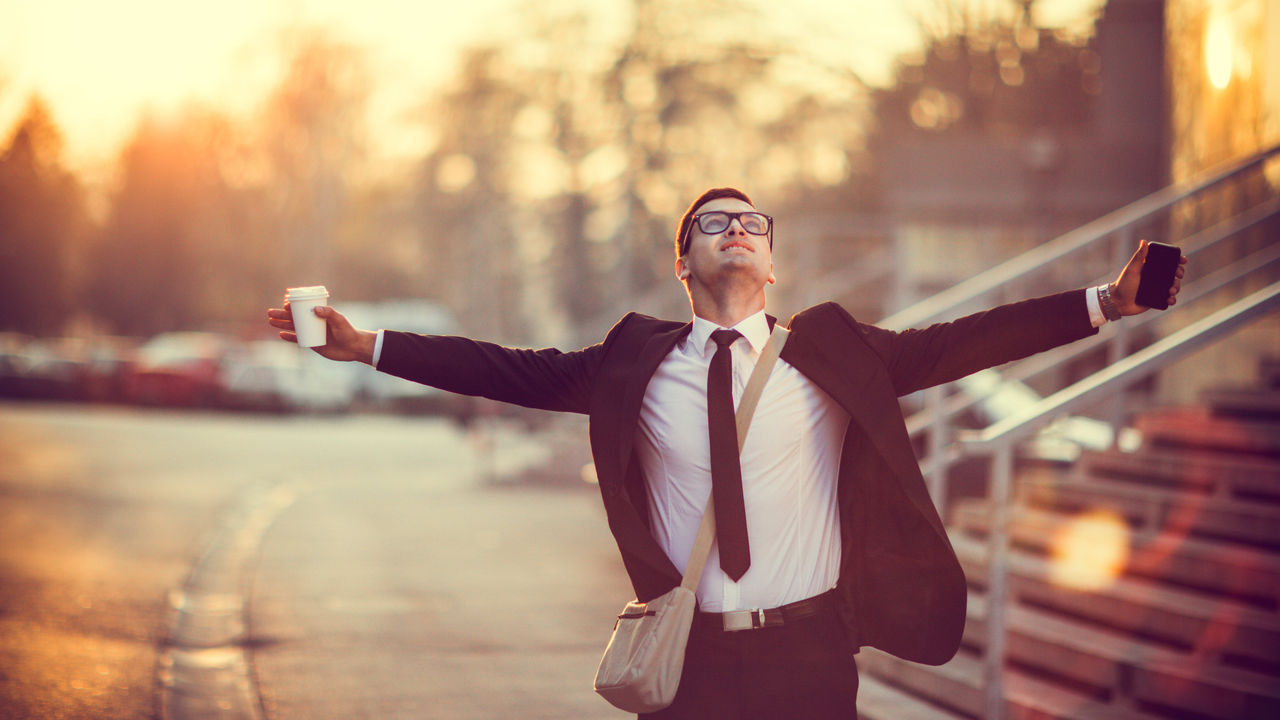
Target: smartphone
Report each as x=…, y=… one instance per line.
x=1157, y=275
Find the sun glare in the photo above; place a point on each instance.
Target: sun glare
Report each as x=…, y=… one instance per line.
x=1090, y=551
x=1219, y=51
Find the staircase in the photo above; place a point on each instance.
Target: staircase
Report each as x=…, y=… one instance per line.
x=1139, y=578
x=1186, y=624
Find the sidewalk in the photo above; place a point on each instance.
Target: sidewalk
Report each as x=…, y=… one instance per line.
x=416, y=593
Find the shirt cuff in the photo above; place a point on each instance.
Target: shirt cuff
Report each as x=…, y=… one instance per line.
x=1096, y=318
x=378, y=347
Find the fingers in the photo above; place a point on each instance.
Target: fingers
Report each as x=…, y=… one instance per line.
x=282, y=319
x=1177, y=281
x=1180, y=273
x=290, y=336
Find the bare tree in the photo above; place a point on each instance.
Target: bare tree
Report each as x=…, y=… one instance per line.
x=312, y=134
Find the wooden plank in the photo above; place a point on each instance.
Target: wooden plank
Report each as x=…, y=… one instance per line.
x=878, y=700
x=1213, y=567
x=1197, y=428
x=1128, y=669
x=957, y=685
x=1156, y=509
x=1225, y=475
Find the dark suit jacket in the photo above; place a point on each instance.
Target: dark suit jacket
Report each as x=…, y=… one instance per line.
x=901, y=586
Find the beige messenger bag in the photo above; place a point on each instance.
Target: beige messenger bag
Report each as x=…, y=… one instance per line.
x=641, y=667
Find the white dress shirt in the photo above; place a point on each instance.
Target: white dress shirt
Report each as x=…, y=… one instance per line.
x=790, y=463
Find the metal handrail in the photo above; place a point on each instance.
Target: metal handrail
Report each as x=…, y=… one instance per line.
x=941, y=406
x=1121, y=374
x=1000, y=439
x=945, y=304
x=1200, y=287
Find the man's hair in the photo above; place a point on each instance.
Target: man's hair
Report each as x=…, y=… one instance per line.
x=687, y=220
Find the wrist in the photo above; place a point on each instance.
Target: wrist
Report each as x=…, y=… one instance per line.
x=368, y=341
x=1107, y=302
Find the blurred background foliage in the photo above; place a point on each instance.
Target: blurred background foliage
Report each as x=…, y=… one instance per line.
x=546, y=204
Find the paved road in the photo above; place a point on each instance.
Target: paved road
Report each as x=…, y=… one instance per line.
x=362, y=565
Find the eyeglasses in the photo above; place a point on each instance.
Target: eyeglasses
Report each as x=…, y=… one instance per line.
x=717, y=221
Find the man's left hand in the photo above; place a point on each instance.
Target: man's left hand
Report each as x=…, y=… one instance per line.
x=1126, y=286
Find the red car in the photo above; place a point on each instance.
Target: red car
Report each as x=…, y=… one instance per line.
x=181, y=369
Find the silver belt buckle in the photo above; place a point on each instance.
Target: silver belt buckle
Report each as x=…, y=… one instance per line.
x=736, y=620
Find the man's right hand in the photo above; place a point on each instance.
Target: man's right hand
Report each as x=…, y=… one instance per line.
x=343, y=341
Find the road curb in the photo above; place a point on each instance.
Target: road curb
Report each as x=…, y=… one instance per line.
x=204, y=670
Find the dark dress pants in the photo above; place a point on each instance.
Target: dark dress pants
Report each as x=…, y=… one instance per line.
x=802, y=670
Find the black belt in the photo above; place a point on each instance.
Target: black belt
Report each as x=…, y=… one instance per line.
x=736, y=620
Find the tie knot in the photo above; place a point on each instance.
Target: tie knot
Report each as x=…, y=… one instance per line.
x=725, y=338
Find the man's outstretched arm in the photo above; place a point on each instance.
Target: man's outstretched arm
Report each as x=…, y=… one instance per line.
x=943, y=352
x=544, y=379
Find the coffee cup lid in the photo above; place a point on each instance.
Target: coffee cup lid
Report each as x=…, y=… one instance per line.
x=309, y=291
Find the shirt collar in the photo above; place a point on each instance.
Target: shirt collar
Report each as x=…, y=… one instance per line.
x=754, y=328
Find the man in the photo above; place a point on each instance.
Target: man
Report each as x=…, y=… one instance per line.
x=841, y=546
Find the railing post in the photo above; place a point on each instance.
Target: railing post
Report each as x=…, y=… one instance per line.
x=997, y=580
x=1122, y=250
x=935, y=400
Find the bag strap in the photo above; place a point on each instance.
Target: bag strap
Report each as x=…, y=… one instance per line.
x=746, y=408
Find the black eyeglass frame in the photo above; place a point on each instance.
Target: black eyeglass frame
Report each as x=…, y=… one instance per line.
x=696, y=220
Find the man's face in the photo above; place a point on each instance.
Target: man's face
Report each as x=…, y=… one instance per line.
x=733, y=252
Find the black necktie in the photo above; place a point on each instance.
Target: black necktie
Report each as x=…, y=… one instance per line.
x=726, y=472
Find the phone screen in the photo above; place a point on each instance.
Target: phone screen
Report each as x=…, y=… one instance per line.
x=1157, y=275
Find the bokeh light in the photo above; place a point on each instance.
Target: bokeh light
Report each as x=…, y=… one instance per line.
x=1090, y=551
x=1219, y=52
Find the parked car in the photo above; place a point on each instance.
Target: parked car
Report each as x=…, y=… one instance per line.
x=37, y=368
x=106, y=364
x=272, y=376
x=179, y=369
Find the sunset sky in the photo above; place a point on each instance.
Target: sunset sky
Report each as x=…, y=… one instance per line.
x=99, y=65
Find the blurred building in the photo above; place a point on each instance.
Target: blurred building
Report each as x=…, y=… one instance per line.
x=1008, y=135
x=1223, y=65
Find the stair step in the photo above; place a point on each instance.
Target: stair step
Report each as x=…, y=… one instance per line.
x=1156, y=509
x=1178, y=618
x=878, y=700
x=1244, y=403
x=1197, y=428
x=1124, y=668
x=958, y=686
x=1269, y=372
x=1209, y=566
x=1211, y=693
x=955, y=686
x=1216, y=474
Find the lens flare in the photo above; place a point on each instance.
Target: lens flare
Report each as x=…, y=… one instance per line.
x=1090, y=551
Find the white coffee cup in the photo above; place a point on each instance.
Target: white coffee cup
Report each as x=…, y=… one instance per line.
x=303, y=301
